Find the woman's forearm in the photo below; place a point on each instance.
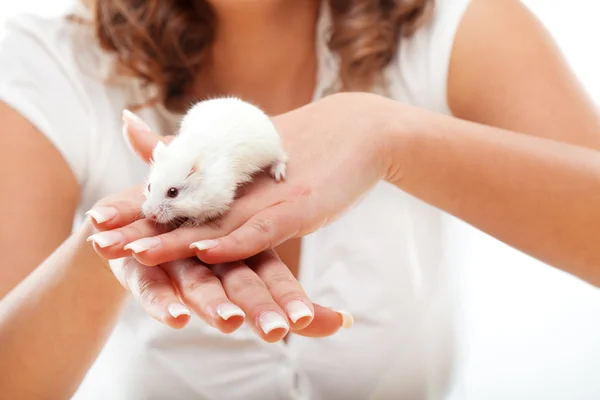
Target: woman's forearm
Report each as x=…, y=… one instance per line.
x=539, y=196
x=55, y=322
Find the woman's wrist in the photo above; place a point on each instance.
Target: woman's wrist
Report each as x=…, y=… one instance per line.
x=378, y=127
x=392, y=129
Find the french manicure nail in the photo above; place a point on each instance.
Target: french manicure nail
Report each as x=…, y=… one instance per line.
x=134, y=121
x=297, y=309
x=347, y=319
x=177, y=310
x=270, y=320
x=228, y=310
x=105, y=239
x=142, y=245
x=125, y=133
x=204, y=245
x=102, y=214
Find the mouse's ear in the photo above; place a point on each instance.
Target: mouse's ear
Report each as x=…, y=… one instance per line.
x=193, y=170
x=158, y=151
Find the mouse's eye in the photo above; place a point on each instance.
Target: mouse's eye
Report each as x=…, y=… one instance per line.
x=148, y=187
x=172, y=192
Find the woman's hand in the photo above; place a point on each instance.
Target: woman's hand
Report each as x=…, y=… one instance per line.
x=260, y=284
x=261, y=287
x=334, y=159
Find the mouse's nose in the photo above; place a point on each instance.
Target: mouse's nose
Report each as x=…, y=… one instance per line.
x=152, y=217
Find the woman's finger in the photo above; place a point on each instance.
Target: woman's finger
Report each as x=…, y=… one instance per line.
x=168, y=246
x=248, y=291
x=326, y=322
x=265, y=230
x=139, y=136
x=153, y=290
x=203, y=292
x=117, y=243
x=284, y=288
x=118, y=210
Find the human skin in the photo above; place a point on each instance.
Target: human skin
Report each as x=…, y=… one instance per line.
x=515, y=80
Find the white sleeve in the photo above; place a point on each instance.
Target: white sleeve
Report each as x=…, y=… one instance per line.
x=424, y=58
x=38, y=80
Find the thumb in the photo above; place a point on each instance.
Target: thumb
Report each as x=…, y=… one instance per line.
x=139, y=137
x=265, y=230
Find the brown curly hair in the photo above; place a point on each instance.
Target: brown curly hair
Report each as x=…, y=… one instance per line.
x=164, y=43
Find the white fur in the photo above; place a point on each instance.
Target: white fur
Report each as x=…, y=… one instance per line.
x=226, y=140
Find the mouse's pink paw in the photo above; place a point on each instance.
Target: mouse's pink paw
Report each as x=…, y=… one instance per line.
x=278, y=170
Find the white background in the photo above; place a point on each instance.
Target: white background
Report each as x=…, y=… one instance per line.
x=533, y=332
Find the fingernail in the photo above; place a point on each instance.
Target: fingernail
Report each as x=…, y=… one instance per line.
x=105, y=239
x=142, y=245
x=204, y=245
x=177, y=310
x=297, y=309
x=102, y=214
x=270, y=321
x=134, y=121
x=347, y=319
x=228, y=310
x=125, y=133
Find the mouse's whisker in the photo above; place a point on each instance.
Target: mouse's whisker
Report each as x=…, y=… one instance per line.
x=178, y=221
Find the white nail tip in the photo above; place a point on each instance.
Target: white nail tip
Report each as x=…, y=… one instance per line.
x=128, y=114
x=270, y=320
x=204, y=245
x=135, y=121
x=347, y=319
x=106, y=239
x=142, y=245
x=102, y=214
x=228, y=310
x=177, y=310
x=296, y=309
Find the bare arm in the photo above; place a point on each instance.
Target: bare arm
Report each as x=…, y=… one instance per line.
x=506, y=71
x=54, y=320
x=537, y=195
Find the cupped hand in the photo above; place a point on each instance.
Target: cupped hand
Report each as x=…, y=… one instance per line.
x=260, y=289
x=212, y=294
x=261, y=285
x=335, y=158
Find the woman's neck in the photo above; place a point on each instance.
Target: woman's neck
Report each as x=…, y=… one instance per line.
x=263, y=52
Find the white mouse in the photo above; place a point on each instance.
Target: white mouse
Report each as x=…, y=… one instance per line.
x=220, y=145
